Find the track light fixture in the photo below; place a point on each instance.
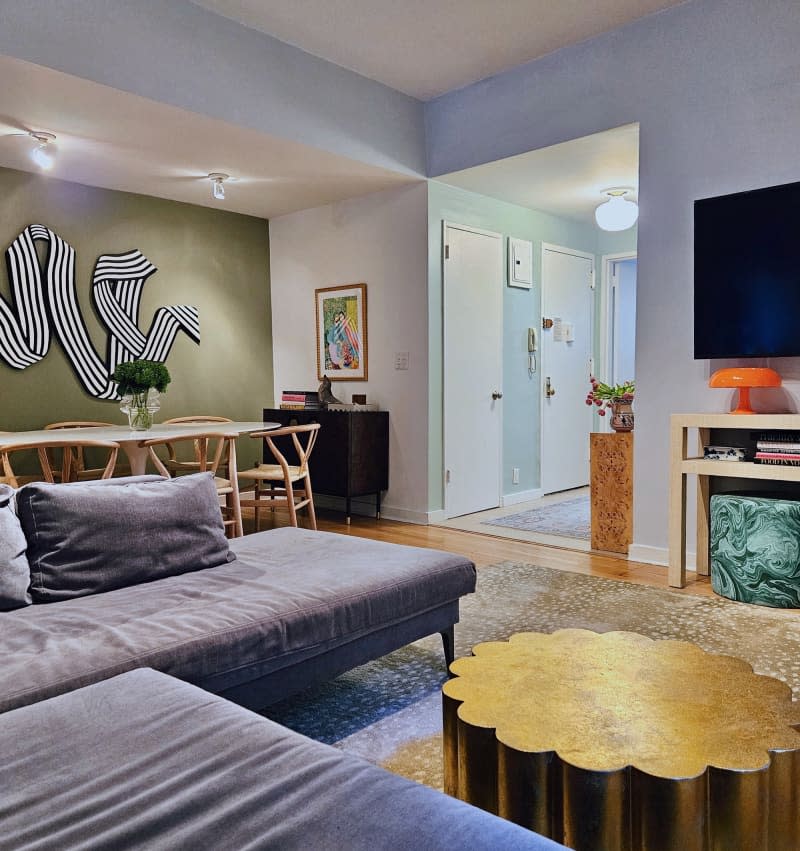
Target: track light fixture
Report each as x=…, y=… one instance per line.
x=218, y=179
x=40, y=154
x=617, y=213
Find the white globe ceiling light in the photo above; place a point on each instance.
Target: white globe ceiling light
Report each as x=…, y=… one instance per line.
x=617, y=213
x=40, y=154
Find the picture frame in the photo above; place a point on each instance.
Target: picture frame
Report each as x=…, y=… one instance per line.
x=341, y=320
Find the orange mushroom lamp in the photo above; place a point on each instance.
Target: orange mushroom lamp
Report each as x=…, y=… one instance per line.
x=744, y=378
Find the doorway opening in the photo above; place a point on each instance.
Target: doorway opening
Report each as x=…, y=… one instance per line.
x=544, y=198
x=618, y=322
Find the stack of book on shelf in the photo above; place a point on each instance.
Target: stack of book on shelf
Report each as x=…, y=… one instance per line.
x=300, y=400
x=778, y=447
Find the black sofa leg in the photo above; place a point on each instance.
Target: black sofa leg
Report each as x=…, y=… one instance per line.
x=449, y=644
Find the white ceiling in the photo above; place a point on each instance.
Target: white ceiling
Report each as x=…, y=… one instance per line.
x=565, y=180
x=116, y=140
x=426, y=48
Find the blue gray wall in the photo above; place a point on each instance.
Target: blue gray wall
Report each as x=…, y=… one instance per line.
x=714, y=87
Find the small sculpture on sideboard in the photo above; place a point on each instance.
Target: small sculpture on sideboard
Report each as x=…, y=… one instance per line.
x=326, y=396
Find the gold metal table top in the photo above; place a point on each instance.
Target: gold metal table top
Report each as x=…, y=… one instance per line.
x=606, y=701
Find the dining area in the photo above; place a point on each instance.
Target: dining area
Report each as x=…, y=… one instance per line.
x=64, y=452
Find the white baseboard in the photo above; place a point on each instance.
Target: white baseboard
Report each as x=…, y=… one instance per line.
x=656, y=555
x=521, y=496
x=405, y=515
x=437, y=516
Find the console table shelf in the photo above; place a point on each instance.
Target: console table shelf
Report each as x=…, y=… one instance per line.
x=741, y=470
x=683, y=464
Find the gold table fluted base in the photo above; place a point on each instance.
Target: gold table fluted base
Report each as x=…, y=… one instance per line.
x=614, y=741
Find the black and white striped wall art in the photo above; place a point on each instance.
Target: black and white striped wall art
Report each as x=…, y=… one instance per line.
x=44, y=300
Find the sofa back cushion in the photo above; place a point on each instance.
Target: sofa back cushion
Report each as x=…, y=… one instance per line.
x=15, y=575
x=88, y=537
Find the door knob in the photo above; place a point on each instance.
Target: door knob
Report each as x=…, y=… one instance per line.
x=497, y=394
x=549, y=390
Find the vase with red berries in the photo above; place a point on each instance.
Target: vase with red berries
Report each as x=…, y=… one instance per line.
x=617, y=398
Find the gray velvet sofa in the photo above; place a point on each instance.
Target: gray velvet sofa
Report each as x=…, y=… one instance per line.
x=292, y=606
x=145, y=761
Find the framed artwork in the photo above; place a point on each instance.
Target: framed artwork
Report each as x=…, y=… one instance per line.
x=342, y=332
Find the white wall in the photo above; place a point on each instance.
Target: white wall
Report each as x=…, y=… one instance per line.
x=714, y=87
x=380, y=240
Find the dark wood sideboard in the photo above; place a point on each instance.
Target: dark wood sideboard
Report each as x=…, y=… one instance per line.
x=351, y=457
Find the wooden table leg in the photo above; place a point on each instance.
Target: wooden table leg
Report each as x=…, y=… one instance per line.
x=703, y=519
x=677, y=507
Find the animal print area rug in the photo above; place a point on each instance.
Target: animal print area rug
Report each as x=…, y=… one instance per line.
x=570, y=519
x=389, y=711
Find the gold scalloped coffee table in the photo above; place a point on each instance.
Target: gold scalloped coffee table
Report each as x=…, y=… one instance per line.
x=615, y=741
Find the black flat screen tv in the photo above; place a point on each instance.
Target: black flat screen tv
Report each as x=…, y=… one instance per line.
x=747, y=274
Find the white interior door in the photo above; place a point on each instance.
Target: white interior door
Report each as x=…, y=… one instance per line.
x=567, y=300
x=473, y=368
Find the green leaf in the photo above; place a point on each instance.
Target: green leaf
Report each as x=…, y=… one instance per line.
x=138, y=376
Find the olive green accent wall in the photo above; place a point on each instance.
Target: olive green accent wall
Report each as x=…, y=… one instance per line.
x=215, y=260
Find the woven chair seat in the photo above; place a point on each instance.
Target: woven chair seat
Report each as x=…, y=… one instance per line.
x=271, y=473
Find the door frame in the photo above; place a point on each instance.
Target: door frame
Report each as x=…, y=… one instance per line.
x=606, y=317
x=457, y=226
x=587, y=255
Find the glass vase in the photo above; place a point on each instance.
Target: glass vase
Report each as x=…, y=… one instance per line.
x=140, y=408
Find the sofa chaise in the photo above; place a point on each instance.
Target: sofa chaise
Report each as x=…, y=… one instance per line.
x=143, y=760
x=137, y=572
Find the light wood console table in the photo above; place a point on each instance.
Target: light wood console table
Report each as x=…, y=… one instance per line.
x=682, y=464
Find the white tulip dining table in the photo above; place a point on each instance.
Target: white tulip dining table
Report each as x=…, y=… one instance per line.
x=129, y=440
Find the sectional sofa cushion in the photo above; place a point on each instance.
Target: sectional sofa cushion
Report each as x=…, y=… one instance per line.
x=143, y=760
x=15, y=574
x=290, y=596
x=88, y=537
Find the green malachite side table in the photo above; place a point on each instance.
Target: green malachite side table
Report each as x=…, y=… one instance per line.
x=755, y=549
x=616, y=741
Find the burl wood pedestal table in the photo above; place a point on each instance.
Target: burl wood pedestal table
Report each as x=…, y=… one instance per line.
x=614, y=741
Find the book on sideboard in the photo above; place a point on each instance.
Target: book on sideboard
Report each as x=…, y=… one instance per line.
x=300, y=400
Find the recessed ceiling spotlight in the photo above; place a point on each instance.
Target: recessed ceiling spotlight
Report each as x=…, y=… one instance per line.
x=617, y=213
x=40, y=154
x=218, y=179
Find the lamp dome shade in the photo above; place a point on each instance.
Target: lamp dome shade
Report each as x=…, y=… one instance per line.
x=745, y=377
x=617, y=213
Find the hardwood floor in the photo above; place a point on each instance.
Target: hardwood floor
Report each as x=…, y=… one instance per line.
x=487, y=549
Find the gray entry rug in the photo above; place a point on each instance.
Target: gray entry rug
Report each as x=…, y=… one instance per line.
x=570, y=519
x=389, y=711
